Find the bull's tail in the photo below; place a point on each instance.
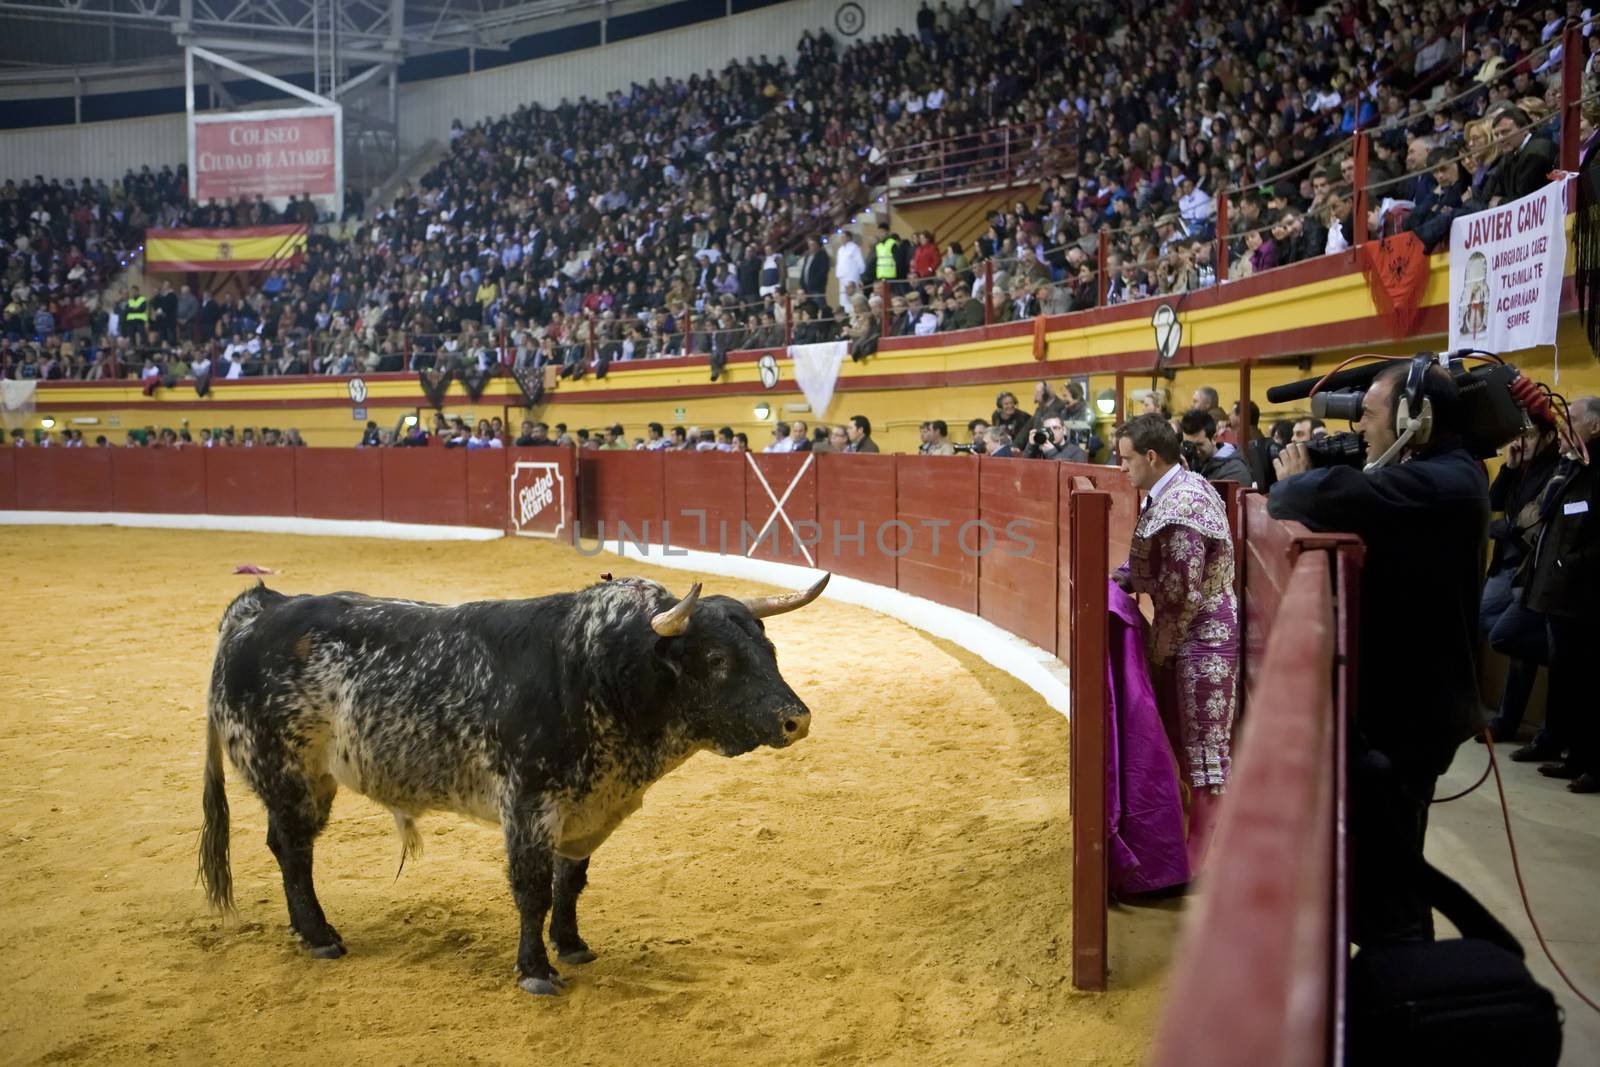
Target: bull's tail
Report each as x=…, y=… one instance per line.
x=215, y=873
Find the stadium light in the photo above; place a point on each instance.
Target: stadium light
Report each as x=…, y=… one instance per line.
x=763, y=411
x=1106, y=401
x=47, y=423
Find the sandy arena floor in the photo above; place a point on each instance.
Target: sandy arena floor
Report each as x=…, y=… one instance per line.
x=895, y=889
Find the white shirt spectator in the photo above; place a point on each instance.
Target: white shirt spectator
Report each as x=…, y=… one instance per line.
x=1196, y=206
x=849, y=265
x=935, y=100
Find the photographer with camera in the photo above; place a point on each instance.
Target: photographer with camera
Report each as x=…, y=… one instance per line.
x=1215, y=462
x=1052, y=442
x=1421, y=507
x=1509, y=627
x=1182, y=557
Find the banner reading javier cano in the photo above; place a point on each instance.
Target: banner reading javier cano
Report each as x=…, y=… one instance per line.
x=1506, y=268
x=277, y=155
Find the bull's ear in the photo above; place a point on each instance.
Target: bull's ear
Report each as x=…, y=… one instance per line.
x=669, y=651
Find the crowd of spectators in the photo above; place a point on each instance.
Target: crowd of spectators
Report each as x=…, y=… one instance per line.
x=166, y=437
x=706, y=214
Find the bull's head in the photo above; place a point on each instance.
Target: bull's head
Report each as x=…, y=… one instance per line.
x=727, y=671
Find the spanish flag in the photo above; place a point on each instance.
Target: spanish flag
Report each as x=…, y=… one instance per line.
x=247, y=248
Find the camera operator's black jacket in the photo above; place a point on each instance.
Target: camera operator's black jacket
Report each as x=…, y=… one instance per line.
x=1425, y=525
x=1566, y=562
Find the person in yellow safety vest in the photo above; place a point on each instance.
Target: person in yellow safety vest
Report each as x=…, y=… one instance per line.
x=137, y=316
x=883, y=267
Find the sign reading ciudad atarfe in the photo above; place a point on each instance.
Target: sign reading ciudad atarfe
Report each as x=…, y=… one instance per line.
x=538, y=499
x=278, y=155
x=1506, y=269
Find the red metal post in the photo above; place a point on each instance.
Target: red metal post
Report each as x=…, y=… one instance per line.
x=1243, y=431
x=1120, y=414
x=1222, y=236
x=1358, y=209
x=884, y=296
x=1572, y=61
x=1090, y=533
x=1101, y=255
x=988, y=291
x=688, y=330
x=788, y=319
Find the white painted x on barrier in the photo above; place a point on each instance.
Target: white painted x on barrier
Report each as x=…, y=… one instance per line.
x=778, y=503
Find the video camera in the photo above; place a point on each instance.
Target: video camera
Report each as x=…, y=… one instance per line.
x=1494, y=402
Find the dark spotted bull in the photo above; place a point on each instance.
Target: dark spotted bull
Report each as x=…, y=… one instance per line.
x=548, y=717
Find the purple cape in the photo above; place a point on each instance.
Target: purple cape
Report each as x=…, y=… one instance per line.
x=1144, y=810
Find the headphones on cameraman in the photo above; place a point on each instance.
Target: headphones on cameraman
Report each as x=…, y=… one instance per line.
x=1414, y=399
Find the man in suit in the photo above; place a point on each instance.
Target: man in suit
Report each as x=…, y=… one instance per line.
x=814, y=269
x=858, y=431
x=1564, y=588
x=799, y=437
x=1527, y=157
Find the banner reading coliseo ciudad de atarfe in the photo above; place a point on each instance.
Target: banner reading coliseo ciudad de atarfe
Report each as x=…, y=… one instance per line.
x=1506, y=267
x=278, y=155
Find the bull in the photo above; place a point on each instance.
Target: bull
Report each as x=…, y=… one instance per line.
x=549, y=718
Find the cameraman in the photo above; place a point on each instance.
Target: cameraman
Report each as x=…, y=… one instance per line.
x=1217, y=463
x=1051, y=442
x=1424, y=519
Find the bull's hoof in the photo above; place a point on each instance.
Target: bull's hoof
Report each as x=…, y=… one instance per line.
x=544, y=987
x=581, y=954
x=325, y=952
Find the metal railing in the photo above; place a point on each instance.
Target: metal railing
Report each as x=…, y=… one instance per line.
x=1000, y=156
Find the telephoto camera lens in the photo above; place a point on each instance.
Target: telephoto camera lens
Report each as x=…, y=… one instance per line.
x=1337, y=450
x=1345, y=404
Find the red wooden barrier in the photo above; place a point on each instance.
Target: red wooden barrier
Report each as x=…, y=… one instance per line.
x=1261, y=936
x=8, y=479
x=1124, y=503
x=426, y=485
x=161, y=481
x=1271, y=549
x=930, y=491
x=856, y=498
x=547, y=511
x=1017, y=501
x=339, y=483
x=790, y=478
x=64, y=479
x=251, y=481
x=488, y=499
x=704, y=500
x=1091, y=514
x=1063, y=590
x=622, y=491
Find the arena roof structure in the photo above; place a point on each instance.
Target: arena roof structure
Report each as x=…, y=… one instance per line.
x=57, y=43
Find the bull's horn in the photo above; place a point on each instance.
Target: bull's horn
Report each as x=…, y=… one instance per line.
x=762, y=607
x=675, y=620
